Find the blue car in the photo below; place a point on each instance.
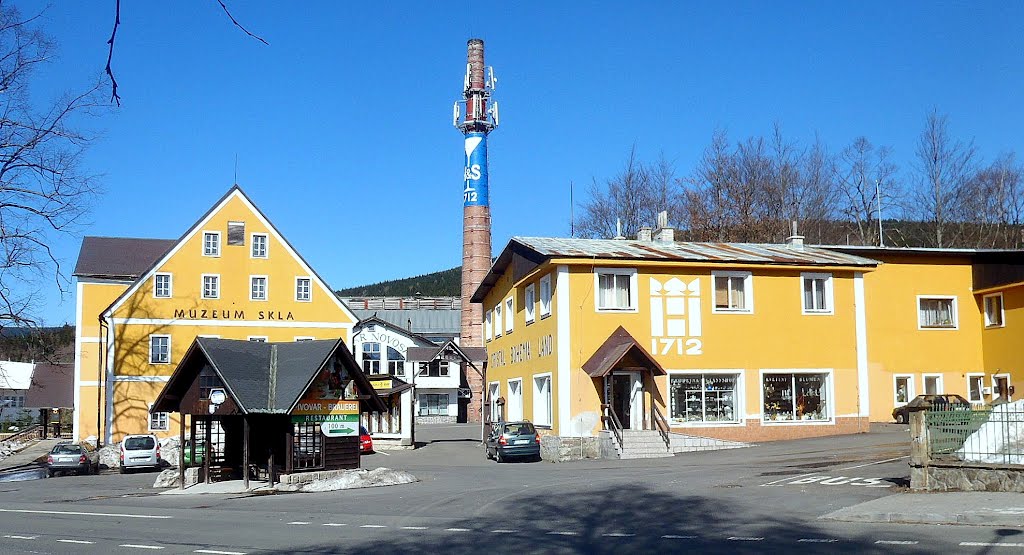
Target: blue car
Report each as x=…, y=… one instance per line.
x=509, y=440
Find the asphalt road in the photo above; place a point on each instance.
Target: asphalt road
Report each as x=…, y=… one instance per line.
x=761, y=499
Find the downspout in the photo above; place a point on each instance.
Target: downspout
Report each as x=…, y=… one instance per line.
x=100, y=372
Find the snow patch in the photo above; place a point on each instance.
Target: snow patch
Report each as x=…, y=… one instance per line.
x=1000, y=440
x=352, y=479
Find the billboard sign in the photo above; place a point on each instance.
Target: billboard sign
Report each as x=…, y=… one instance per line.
x=474, y=191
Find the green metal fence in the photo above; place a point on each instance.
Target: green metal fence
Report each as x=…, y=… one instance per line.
x=990, y=435
x=949, y=429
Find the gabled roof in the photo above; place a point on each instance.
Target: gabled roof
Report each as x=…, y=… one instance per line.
x=427, y=354
x=235, y=191
x=119, y=257
x=375, y=321
x=261, y=377
x=53, y=386
x=619, y=347
x=15, y=375
x=539, y=249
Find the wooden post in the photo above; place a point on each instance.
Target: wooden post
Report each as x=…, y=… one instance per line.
x=181, y=450
x=288, y=438
x=270, y=469
x=208, y=452
x=245, y=451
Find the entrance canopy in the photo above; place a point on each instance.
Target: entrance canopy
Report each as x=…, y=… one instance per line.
x=618, y=351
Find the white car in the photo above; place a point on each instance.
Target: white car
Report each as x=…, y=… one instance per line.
x=140, y=451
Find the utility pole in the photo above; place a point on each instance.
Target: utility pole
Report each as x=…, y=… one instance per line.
x=878, y=197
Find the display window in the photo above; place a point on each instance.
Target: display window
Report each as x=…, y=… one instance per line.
x=703, y=398
x=795, y=397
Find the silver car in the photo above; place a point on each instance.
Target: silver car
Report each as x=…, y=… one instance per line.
x=78, y=457
x=140, y=451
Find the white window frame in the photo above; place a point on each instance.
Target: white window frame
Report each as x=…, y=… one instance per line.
x=940, y=386
x=497, y=319
x=487, y=325
x=259, y=338
x=955, y=310
x=1002, y=311
x=510, y=314
x=981, y=388
x=530, y=303
x=739, y=402
x=304, y=338
x=160, y=336
x=266, y=245
x=911, y=389
x=518, y=404
x=633, y=300
x=266, y=287
x=829, y=295
x=166, y=417
x=494, y=393
x=309, y=295
x=830, y=387
x=219, y=243
x=545, y=296
x=994, y=394
x=538, y=416
x=202, y=286
x=748, y=292
x=170, y=285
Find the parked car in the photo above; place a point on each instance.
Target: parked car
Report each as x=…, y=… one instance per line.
x=942, y=401
x=79, y=457
x=365, y=441
x=512, y=440
x=140, y=451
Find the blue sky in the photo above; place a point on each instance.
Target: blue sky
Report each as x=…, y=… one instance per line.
x=342, y=126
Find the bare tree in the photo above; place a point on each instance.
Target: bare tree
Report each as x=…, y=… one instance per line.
x=44, y=191
x=863, y=173
x=945, y=167
x=993, y=205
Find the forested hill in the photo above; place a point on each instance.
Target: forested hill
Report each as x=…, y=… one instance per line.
x=37, y=344
x=446, y=283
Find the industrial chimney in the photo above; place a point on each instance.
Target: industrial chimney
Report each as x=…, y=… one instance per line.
x=475, y=115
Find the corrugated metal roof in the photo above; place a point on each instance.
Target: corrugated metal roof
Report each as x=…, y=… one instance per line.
x=747, y=253
x=420, y=321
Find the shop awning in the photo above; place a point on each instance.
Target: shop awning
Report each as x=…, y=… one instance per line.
x=618, y=351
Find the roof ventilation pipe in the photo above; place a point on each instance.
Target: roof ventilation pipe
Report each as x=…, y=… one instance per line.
x=618, y=230
x=664, y=233
x=795, y=241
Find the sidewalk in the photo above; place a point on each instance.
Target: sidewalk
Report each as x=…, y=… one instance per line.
x=974, y=508
x=28, y=457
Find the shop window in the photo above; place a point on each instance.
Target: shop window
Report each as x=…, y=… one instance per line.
x=616, y=288
x=158, y=421
x=236, y=233
x=371, y=358
x=792, y=397
x=303, y=289
x=258, y=288
x=733, y=292
x=211, y=286
x=529, y=303
x=259, y=245
x=307, y=446
x=542, y=400
x=433, y=404
x=396, y=362
x=515, y=400
x=994, y=311
x=903, y=389
x=976, y=388
x=703, y=398
x=162, y=286
x=936, y=312
x=545, y=296
x=510, y=315
x=817, y=293
x=160, y=349
x=211, y=243
x=434, y=369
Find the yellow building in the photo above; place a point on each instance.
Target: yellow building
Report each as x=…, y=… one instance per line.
x=141, y=303
x=733, y=341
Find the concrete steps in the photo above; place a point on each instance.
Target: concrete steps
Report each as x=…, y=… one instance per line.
x=642, y=444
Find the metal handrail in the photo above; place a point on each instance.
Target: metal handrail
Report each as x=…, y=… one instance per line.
x=611, y=423
x=661, y=424
x=34, y=431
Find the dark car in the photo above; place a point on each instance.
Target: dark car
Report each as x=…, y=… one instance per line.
x=79, y=457
x=509, y=440
x=365, y=441
x=942, y=401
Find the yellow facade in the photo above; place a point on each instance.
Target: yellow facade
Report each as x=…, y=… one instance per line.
x=234, y=291
x=1001, y=340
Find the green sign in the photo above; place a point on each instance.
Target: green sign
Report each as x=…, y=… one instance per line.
x=339, y=429
x=320, y=418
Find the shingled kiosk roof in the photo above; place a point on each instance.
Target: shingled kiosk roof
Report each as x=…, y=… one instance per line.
x=250, y=378
x=619, y=348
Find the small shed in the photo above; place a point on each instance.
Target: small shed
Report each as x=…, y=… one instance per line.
x=257, y=409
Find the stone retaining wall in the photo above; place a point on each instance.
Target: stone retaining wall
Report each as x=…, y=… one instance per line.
x=298, y=478
x=956, y=476
x=436, y=419
x=560, y=449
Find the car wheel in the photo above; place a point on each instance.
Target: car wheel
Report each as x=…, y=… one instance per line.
x=122, y=470
x=498, y=456
x=487, y=454
x=49, y=474
x=901, y=418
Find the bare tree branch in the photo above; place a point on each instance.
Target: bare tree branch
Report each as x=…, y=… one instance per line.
x=110, y=53
x=239, y=25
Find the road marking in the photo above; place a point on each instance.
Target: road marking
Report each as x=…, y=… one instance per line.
x=897, y=542
x=618, y=535
x=817, y=540
x=823, y=480
x=298, y=523
x=414, y=528
x=563, y=533
x=776, y=482
x=137, y=546
x=503, y=531
x=383, y=453
x=456, y=529
x=16, y=537
x=75, y=541
x=991, y=544
x=334, y=524
x=77, y=513
x=373, y=526
x=215, y=552
x=876, y=462
x=743, y=539
x=674, y=537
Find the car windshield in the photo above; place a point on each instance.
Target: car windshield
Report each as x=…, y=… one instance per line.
x=139, y=443
x=67, y=450
x=519, y=429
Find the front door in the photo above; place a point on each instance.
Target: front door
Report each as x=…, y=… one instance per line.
x=1003, y=387
x=627, y=399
